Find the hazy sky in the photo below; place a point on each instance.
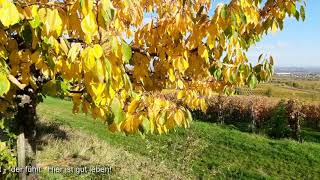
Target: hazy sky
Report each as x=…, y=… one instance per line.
x=298, y=44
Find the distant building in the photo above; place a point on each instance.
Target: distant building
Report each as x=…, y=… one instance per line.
x=283, y=73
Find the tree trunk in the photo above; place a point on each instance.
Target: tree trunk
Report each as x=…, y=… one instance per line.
x=253, y=119
x=26, y=142
x=21, y=152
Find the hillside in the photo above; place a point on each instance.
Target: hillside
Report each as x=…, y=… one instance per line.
x=202, y=151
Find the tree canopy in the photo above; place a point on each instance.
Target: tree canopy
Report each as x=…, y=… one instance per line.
x=82, y=49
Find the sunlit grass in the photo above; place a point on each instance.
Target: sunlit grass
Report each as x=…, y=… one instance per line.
x=204, y=150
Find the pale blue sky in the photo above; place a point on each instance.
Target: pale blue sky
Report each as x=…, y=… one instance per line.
x=298, y=44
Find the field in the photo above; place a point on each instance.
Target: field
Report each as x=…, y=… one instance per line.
x=205, y=150
x=288, y=87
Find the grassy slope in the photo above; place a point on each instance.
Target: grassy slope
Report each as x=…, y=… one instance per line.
x=282, y=87
x=302, y=83
x=204, y=150
x=287, y=92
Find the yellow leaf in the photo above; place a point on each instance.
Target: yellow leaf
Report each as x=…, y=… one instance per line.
x=181, y=94
x=112, y=93
x=55, y=44
x=172, y=78
x=117, y=24
x=42, y=14
x=178, y=117
x=203, y=105
x=211, y=42
x=35, y=39
x=74, y=51
x=274, y=27
x=132, y=106
x=180, y=84
x=89, y=25
x=9, y=14
x=185, y=64
x=36, y=57
x=159, y=130
x=53, y=22
x=185, y=54
x=88, y=58
x=99, y=71
x=14, y=57
x=64, y=46
x=97, y=91
x=87, y=6
x=180, y=64
x=203, y=52
x=178, y=20
x=16, y=82
x=97, y=51
x=3, y=52
x=4, y=84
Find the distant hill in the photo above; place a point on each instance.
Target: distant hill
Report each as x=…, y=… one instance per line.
x=298, y=70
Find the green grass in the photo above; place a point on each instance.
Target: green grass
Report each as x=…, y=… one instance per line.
x=302, y=83
x=290, y=87
x=205, y=150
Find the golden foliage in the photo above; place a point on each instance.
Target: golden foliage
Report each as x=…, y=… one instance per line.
x=79, y=47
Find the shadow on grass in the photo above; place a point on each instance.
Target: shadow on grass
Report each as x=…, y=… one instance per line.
x=307, y=134
x=49, y=131
x=310, y=135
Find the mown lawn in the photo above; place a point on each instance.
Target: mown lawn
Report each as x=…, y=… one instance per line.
x=204, y=151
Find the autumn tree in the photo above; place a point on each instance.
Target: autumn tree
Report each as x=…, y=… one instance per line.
x=82, y=49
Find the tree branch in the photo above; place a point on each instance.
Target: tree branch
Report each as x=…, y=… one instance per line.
x=3, y=99
x=76, y=92
x=142, y=51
